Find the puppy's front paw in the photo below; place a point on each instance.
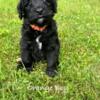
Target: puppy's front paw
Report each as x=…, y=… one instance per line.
x=51, y=72
x=29, y=69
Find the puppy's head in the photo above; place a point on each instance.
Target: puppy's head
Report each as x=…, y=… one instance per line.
x=37, y=11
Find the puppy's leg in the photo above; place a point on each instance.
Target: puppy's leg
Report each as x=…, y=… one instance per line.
x=52, y=58
x=26, y=55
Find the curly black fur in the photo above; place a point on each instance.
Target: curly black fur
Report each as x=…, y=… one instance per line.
x=31, y=11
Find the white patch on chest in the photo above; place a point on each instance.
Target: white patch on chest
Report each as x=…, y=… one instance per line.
x=38, y=42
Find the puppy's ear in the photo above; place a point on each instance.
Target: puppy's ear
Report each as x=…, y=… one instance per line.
x=54, y=5
x=21, y=8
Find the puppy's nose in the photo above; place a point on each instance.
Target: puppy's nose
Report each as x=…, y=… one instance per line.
x=39, y=10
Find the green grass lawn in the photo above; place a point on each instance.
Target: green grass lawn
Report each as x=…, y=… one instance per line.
x=79, y=73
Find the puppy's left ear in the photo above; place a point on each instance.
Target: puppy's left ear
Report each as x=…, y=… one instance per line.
x=54, y=5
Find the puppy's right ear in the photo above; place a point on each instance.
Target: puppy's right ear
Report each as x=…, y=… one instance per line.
x=21, y=8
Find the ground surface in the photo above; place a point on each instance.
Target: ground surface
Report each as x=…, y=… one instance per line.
x=79, y=72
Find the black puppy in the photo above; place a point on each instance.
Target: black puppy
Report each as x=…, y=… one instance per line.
x=39, y=34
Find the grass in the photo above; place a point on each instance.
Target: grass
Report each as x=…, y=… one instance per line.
x=79, y=72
